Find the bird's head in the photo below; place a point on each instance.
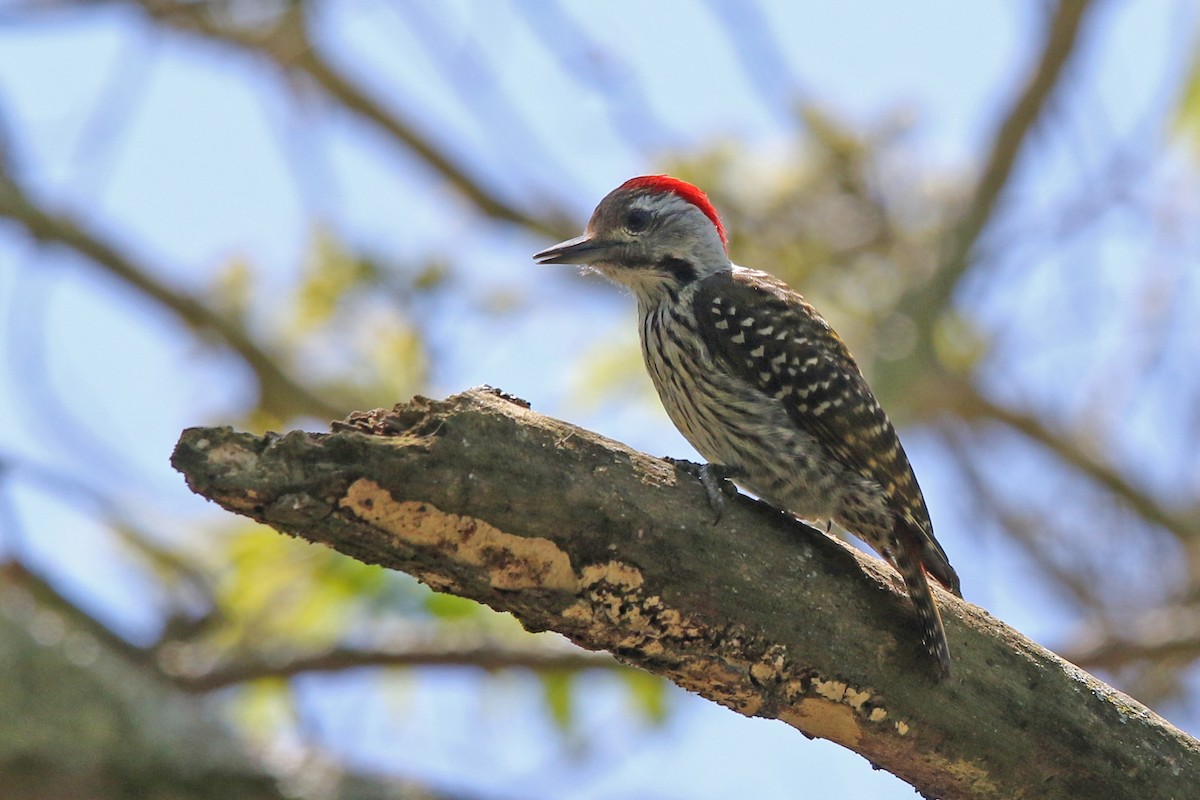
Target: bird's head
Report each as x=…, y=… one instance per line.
x=653, y=234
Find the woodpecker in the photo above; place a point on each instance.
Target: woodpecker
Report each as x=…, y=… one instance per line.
x=760, y=384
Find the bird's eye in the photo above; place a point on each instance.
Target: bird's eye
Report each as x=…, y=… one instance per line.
x=637, y=220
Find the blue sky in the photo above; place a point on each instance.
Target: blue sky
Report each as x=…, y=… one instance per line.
x=188, y=172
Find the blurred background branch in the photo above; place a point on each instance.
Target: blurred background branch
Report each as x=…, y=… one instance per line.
x=269, y=214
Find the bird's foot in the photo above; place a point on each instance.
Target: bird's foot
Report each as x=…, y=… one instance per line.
x=714, y=478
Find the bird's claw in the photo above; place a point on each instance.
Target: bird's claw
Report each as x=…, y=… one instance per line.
x=714, y=478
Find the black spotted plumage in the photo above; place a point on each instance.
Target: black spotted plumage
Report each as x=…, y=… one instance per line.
x=768, y=334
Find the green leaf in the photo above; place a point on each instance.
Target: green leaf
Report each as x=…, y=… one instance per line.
x=265, y=706
x=330, y=273
x=612, y=369
x=1187, y=115
x=397, y=355
x=556, y=692
x=432, y=276
x=279, y=589
x=452, y=608
x=648, y=694
x=233, y=287
x=958, y=344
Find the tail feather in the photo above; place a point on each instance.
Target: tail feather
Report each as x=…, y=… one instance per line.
x=936, y=564
x=907, y=560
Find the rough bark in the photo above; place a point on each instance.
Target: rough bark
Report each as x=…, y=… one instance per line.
x=481, y=497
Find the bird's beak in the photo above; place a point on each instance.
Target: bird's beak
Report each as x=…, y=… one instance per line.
x=581, y=250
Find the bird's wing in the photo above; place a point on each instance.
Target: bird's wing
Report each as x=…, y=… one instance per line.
x=768, y=335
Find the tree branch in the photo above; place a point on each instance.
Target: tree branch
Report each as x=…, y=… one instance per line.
x=1163, y=634
x=971, y=404
x=279, y=392
x=927, y=302
x=286, y=44
x=571, y=532
x=1062, y=33
x=14, y=573
x=341, y=659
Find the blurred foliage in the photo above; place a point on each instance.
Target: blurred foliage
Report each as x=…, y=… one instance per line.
x=556, y=691
x=330, y=273
x=1187, y=114
x=452, y=608
x=1010, y=380
x=647, y=693
x=265, y=706
x=274, y=589
x=81, y=721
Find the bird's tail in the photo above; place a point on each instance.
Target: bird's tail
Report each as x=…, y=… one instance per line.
x=909, y=563
x=933, y=558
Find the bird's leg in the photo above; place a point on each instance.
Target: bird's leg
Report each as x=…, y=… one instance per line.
x=717, y=483
x=714, y=478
